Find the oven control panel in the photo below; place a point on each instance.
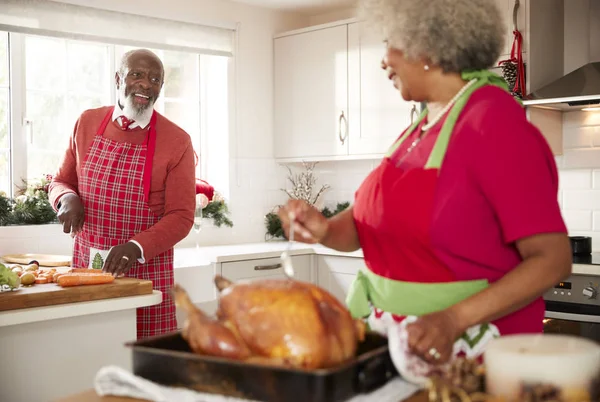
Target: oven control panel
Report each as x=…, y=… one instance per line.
x=582, y=289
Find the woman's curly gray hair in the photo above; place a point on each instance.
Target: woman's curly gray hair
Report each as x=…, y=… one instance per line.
x=456, y=35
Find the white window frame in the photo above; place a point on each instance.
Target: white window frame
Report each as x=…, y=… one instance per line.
x=20, y=127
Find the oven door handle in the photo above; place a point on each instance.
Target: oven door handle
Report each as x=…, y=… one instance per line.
x=573, y=317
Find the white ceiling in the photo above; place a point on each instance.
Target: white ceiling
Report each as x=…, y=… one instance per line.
x=311, y=7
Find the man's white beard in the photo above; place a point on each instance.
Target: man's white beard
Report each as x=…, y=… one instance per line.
x=131, y=110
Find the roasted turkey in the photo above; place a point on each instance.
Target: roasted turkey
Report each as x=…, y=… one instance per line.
x=274, y=321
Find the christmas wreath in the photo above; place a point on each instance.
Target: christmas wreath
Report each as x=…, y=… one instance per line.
x=212, y=204
x=30, y=206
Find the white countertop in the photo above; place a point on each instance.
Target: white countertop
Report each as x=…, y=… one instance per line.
x=35, y=314
x=186, y=257
x=205, y=256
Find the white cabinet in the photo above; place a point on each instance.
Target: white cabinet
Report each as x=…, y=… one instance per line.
x=378, y=114
x=264, y=268
x=311, y=93
x=335, y=274
x=332, y=99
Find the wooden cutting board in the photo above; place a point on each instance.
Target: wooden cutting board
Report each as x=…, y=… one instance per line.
x=45, y=260
x=50, y=294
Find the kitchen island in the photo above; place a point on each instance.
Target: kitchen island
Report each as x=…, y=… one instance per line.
x=52, y=351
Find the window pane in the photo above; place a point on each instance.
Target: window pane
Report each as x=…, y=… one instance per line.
x=76, y=104
x=4, y=59
x=181, y=74
x=89, y=68
x=80, y=77
x=47, y=134
x=4, y=119
x=45, y=63
x=4, y=179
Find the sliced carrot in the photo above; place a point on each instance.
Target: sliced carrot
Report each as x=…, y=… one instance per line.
x=56, y=276
x=84, y=279
x=41, y=280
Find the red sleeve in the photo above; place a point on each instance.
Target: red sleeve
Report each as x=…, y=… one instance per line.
x=516, y=172
x=65, y=180
x=180, y=205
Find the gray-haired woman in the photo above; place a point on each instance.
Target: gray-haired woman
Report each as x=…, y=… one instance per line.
x=460, y=224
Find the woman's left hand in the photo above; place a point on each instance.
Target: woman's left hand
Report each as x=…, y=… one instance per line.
x=432, y=336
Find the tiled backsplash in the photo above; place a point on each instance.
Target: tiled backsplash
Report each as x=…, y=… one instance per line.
x=579, y=168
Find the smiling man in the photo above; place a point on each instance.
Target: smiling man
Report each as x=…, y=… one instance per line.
x=125, y=187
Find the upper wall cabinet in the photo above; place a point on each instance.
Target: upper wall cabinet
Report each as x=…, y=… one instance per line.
x=311, y=93
x=378, y=114
x=332, y=99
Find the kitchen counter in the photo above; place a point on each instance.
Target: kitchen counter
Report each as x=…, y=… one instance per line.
x=91, y=396
x=205, y=256
x=52, y=351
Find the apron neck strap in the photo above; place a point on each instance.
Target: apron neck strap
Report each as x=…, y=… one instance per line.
x=483, y=77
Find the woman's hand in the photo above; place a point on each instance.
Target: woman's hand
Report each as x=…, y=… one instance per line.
x=310, y=226
x=432, y=336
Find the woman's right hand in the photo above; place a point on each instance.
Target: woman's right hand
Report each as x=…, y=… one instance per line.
x=310, y=226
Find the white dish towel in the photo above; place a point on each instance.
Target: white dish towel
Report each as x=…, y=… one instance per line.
x=116, y=381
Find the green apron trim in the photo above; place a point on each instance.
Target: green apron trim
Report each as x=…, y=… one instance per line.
x=484, y=77
x=406, y=298
x=400, y=140
x=472, y=342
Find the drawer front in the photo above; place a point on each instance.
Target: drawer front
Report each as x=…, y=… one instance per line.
x=336, y=274
x=266, y=268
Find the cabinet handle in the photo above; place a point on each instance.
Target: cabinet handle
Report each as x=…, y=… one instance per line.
x=267, y=267
x=342, y=117
x=413, y=113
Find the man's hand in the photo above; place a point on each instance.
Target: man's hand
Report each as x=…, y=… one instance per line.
x=120, y=259
x=71, y=213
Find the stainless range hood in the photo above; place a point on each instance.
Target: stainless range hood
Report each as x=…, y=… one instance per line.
x=575, y=91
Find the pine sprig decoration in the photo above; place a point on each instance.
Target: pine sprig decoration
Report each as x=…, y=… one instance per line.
x=217, y=211
x=6, y=207
x=30, y=207
x=33, y=210
x=275, y=229
x=273, y=224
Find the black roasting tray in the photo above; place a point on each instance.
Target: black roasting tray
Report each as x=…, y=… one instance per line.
x=167, y=360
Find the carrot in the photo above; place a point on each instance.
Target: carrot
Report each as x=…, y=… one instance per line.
x=84, y=279
x=87, y=271
x=40, y=280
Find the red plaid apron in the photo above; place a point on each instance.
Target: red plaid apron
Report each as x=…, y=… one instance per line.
x=114, y=188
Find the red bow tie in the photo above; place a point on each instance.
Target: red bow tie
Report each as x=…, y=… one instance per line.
x=125, y=122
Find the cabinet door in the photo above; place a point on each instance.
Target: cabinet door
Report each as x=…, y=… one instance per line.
x=311, y=94
x=266, y=268
x=378, y=114
x=335, y=274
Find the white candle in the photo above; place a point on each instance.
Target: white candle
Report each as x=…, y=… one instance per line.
x=566, y=362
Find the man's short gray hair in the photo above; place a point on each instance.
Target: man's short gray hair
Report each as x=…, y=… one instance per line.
x=456, y=35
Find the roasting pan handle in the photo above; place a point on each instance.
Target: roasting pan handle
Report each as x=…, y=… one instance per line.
x=374, y=373
x=267, y=267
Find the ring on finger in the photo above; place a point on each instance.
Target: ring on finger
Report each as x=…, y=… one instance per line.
x=125, y=258
x=433, y=352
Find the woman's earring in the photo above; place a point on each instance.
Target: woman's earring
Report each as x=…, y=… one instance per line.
x=426, y=67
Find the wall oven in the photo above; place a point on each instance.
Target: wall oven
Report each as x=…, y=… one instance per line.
x=573, y=306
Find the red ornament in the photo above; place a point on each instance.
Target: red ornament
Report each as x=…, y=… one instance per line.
x=202, y=187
